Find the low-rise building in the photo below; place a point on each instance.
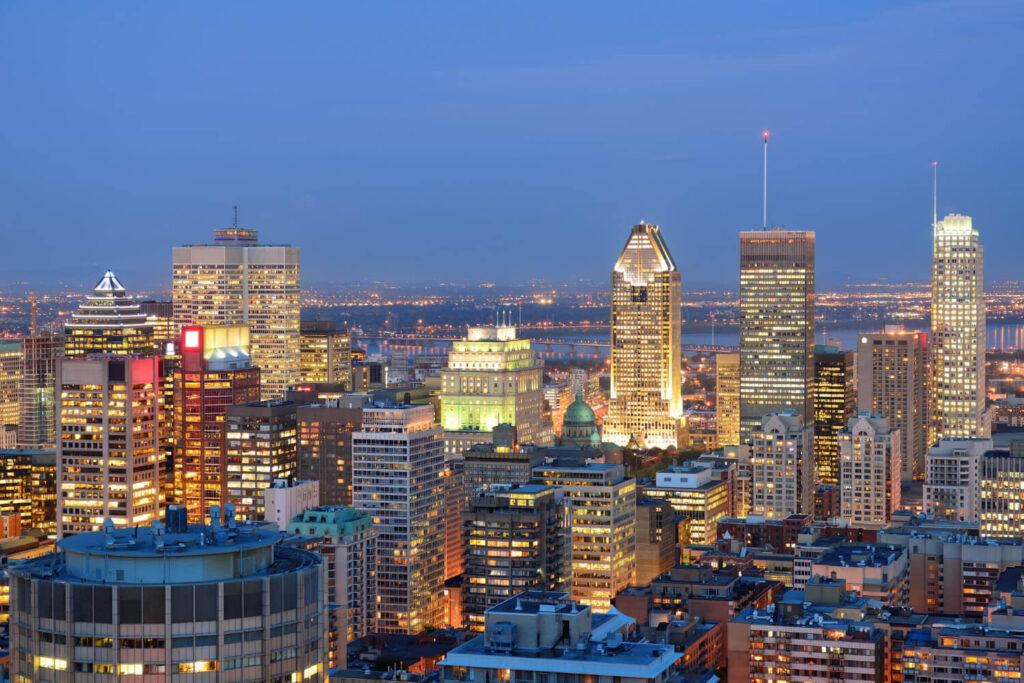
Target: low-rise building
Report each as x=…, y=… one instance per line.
x=879, y=572
x=697, y=492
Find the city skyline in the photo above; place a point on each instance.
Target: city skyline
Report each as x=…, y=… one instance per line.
x=511, y=140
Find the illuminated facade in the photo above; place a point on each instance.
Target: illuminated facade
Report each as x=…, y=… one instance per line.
x=835, y=402
x=513, y=544
x=727, y=392
x=1002, y=494
x=237, y=281
x=108, y=464
x=36, y=411
x=870, y=464
x=782, y=467
x=892, y=381
x=16, y=485
x=215, y=373
x=10, y=382
x=108, y=321
x=646, y=404
x=492, y=378
x=600, y=507
x=325, y=445
x=260, y=443
x=958, y=332
x=397, y=459
x=952, y=482
x=698, y=493
x=776, y=325
x=325, y=354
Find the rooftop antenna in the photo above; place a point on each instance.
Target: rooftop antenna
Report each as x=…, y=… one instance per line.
x=935, y=194
x=32, y=326
x=764, y=197
x=236, y=217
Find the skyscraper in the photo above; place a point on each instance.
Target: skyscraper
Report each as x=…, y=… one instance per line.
x=835, y=401
x=782, y=465
x=958, y=332
x=108, y=464
x=325, y=353
x=325, y=445
x=492, y=378
x=776, y=325
x=215, y=373
x=260, y=447
x=36, y=413
x=727, y=393
x=869, y=486
x=10, y=388
x=109, y=321
x=397, y=460
x=237, y=281
x=646, y=404
x=892, y=381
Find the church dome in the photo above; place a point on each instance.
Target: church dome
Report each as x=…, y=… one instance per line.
x=578, y=411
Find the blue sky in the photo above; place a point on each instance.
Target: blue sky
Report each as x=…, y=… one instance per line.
x=504, y=141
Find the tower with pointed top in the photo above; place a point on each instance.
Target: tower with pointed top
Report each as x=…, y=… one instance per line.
x=109, y=321
x=958, y=332
x=646, y=400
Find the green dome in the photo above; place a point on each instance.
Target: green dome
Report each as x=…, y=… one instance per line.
x=578, y=411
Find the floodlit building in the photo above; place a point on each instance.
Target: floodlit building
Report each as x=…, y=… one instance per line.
x=698, y=493
x=325, y=353
x=646, y=376
x=259, y=444
x=958, y=332
x=835, y=402
x=513, y=544
x=397, y=461
x=869, y=471
x=492, y=378
x=776, y=325
x=215, y=372
x=952, y=483
x=37, y=406
x=237, y=281
x=600, y=505
x=225, y=602
x=108, y=464
x=727, y=391
x=109, y=321
x=783, y=467
x=892, y=381
x=10, y=386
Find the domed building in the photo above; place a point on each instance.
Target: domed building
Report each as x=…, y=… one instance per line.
x=579, y=426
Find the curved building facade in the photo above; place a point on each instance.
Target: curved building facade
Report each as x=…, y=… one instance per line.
x=170, y=602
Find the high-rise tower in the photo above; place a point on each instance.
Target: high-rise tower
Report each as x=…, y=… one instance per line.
x=776, y=325
x=109, y=321
x=646, y=403
x=40, y=353
x=958, y=332
x=835, y=402
x=237, y=281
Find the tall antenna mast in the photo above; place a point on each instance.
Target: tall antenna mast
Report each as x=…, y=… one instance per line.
x=33, y=328
x=764, y=210
x=935, y=194
x=236, y=216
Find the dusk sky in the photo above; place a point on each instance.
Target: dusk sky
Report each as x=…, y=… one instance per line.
x=503, y=141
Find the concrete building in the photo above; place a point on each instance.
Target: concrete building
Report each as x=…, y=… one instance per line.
x=657, y=542
x=513, y=544
x=782, y=465
x=878, y=572
x=109, y=321
x=869, y=471
x=727, y=393
x=104, y=469
x=1002, y=492
x=756, y=531
x=776, y=326
x=237, y=281
x=10, y=388
x=37, y=411
x=835, y=402
x=455, y=499
x=820, y=633
x=215, y=372
x=892, y=381
x=952, y=484
x=287, y=498
x=325, y=353
x=28, y=487
x=646, y=402
x=737, y=460
x=601, y=501
x=544, y=636
x=504, y=461
x=492, y=378
x=349, y=548
x=958, y=332
x=698, y=493
x=397, y=459
x=169, y=602
x=325, y=444
x=260, y=441
x=962, y=652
